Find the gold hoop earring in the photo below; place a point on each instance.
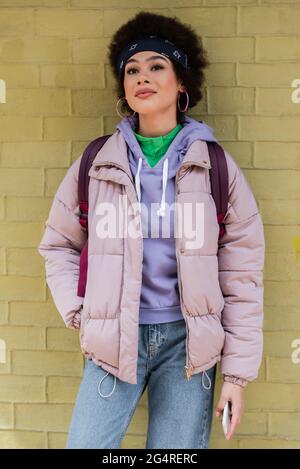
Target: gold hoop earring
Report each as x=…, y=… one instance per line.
x=187, y=101
x=122, y=115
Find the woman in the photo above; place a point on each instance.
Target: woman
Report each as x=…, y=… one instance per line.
x=159, y=310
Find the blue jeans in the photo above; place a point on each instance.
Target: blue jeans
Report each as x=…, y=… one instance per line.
x=180, y=411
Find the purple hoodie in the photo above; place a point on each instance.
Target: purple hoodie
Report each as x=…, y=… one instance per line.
x=155, y=186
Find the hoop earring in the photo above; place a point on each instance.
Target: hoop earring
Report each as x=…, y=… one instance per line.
x=187, y=101
x=122, y=115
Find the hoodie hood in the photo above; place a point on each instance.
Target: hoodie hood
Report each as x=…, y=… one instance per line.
x=168, y=165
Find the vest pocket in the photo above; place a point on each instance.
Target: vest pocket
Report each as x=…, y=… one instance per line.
x=201, y=290
x=101, y=338
x=206, y=339
x=104, y=286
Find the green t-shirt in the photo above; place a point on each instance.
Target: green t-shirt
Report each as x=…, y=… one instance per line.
x=154, y=148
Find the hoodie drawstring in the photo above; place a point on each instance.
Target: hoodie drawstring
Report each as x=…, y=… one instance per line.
x=137, y=180
x=162, y=209
x=209, y=380
x=99, y=385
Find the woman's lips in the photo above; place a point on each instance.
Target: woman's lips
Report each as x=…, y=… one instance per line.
x=145, y=95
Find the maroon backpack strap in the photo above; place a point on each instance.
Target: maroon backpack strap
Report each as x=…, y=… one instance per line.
x=86, y=162
x=219, y=182
x=87, y=159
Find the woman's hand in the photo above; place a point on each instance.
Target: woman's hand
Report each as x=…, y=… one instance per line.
x=235, y=394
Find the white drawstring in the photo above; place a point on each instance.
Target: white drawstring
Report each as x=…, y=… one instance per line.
x=162, y=209
x=99, y=385
x=138, y=181
x=209, y=386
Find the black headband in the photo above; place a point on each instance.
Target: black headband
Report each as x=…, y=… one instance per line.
x=155, y=43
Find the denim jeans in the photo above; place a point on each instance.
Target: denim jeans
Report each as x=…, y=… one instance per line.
x=180, y=411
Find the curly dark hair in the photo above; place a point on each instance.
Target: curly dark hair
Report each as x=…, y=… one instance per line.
x=145, y=23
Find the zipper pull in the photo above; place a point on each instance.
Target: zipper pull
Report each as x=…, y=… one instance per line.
x=188, y=370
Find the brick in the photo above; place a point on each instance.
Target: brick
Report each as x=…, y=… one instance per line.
x=6, y=412
x=225, y=127
x=24, y=262
x=134, y=441
x=15, y=439
x=268, y=444
x=22, y=288
x=14, y=24
x=5, y=364
x=227, y=100
x=281, y=20
x=21, y=181
x=36, y=102
x=65, y=128
x=2, y=204
x=229, y=49
x=284, y=128
x=284, y=184
x=57, y=440
x=62, y=389
x=129, y=4
x=272, y=397
x=287, y=295
x=90, y=76
x=252, y=423
x=46, y=417
x=279, y=344
x=138, y=423
x=22, y=388
x=90, y=51
x=277, y=318
x=77, y=149
x=285, y=425
x=3, y=267
x=59, y=22
x=281, y=237
x=41, y=314
x=92, y=102
x=269, y=75
x=208, y=20
x=222, y=443
x=279, y=48
x=3, y=312
x=280, y=265
x=277, y=155
x=35, y=155
x=242, y=152
x=283, y=370
x=45, y=363
x=221, y=74
x=20, y=128
x=276, y=102
x=46, y=50
x=62, y=339
x=34, y=3
x=28, y=209
x=20, y=75
x=18, y=338
x=27, y=234
x=53, y=179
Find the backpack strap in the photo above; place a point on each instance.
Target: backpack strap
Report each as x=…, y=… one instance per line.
x=219, y=182
x=86, y=162
x=87, y=159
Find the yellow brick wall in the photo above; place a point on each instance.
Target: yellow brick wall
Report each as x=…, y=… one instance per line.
x=58, y=87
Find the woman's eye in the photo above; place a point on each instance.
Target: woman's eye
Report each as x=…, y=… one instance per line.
x=130, y=69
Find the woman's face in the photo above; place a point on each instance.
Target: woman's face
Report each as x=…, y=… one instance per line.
x=152, y=70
